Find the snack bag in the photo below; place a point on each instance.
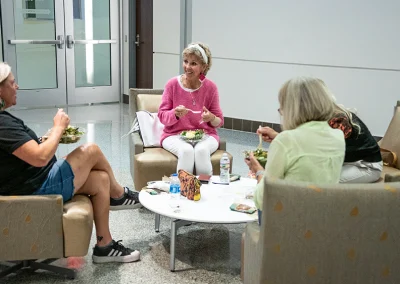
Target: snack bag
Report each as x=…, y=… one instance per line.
x=190, y=185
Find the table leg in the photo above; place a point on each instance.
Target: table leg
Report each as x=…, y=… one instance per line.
x=157, y=223
x=175, y=225
x=172, y=245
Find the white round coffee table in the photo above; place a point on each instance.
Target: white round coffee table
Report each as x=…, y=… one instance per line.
x=213, y=207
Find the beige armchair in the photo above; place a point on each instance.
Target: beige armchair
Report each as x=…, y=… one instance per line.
x=391, y=141
x=37, y=230
x=310, y=233
x=149, y=164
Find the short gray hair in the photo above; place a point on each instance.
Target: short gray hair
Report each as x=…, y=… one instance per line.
x=192, y=50
x=304, y=99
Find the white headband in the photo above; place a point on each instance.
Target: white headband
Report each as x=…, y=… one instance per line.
x=5, y=70
x=199, y=48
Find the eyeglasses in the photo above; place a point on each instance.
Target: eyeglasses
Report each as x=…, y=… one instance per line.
x=279, y=110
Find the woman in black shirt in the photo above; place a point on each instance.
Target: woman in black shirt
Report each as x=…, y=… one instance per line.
x=28, y=166
x=363, y=160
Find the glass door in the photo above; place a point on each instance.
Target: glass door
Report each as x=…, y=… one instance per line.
x=92, y=51
x=33, y=39
x=63, y=52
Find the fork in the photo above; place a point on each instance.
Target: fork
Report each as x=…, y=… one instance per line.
x=260, y=139
x=194, y=111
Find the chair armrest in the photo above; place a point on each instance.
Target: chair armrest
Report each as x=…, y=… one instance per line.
x=392, y=177
x=132, y=106
x=252, y=253
x=31, y=227
x=137, y=143
x=78, y=225
x=222, y=144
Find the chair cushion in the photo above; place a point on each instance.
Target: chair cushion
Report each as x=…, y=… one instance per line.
x=389, y=170
x=77, y=225
x=148, y=102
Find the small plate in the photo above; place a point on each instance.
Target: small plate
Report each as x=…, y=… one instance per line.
x=159, y=185
x=154, y=181
x=193, y=140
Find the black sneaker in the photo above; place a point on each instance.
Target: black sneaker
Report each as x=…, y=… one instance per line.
x=115, y=252
x=130, y=200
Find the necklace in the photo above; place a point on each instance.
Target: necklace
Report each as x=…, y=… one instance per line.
x=191, y=90
x=193, y=100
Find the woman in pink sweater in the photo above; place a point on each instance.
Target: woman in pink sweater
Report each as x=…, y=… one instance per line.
x=191, y=91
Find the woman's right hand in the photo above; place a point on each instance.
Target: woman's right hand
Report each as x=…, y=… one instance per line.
x=267, y=133
x=61, y=119
x=180, y=111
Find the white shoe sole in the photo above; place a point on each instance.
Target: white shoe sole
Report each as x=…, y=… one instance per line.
x=125, y=207
x=134, y=256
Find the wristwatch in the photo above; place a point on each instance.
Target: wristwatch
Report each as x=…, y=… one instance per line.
x=259, y=173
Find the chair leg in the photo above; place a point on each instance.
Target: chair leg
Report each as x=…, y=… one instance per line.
x=68, y=272
x=45, y=261
x=35, y=265
x=12, y=269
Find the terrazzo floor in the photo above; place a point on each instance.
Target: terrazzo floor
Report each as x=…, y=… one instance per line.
x=205, y=253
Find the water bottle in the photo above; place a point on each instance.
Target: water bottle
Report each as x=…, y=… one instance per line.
x=175, y=192
x=224, y=165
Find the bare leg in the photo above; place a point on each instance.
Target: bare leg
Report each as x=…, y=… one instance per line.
x=97, y=186
x=89, y=157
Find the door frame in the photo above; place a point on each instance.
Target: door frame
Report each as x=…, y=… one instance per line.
x=137, y=15
x=94, y=94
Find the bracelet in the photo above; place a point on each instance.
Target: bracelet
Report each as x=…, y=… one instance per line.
x=259, y=173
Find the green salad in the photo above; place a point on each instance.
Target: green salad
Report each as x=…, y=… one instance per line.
x=192, y=134
x=72, y=130
x=71, y=134
x=260, y=154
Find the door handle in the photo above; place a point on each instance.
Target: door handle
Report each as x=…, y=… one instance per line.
x=59, y=41
x=137, y=42
x=94, y=41
x=70, y=41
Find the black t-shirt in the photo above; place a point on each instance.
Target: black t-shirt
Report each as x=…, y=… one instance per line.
x=360, y=144
x=16, y=176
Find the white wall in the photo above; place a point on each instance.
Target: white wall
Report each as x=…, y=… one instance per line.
x=166, y=41
x=257, y=45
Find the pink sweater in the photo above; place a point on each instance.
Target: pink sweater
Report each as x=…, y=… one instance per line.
x=175, y=94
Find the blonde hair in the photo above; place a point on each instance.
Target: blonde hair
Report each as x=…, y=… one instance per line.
x=304, y=99
x=5, y=71
x=192, y=50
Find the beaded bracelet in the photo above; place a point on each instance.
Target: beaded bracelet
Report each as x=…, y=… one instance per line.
x=259, y=173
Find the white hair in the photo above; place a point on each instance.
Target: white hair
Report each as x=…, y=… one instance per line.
x=5, y=71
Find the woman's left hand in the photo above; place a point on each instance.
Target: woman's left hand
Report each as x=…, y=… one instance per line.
x=207, y=116
x=254, y=165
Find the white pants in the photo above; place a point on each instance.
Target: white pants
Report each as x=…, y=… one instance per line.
x=189, y=156
x=361, y=172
